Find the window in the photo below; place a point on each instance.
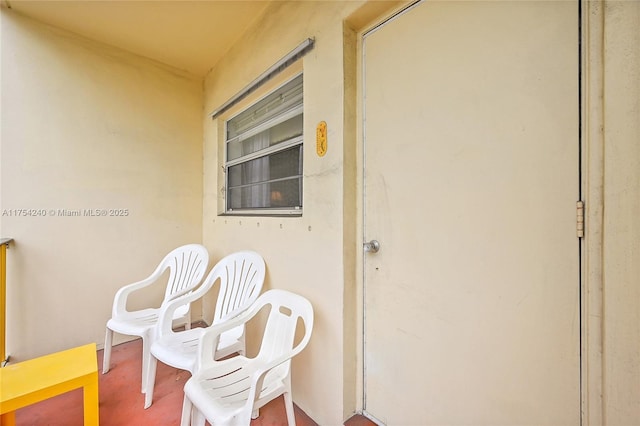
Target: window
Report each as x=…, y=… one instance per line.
x=263, y=156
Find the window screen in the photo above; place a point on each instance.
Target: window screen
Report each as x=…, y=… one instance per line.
x=264, y=154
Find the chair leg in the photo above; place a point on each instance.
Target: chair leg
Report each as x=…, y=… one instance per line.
x=187, y=408
x=243, y=345
x=187, y=318
x=146, y=355
x=288, y=405
x=106, y=359
x=198, y=418
x=151, y=381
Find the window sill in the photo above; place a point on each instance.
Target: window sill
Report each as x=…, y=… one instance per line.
x=263, y=213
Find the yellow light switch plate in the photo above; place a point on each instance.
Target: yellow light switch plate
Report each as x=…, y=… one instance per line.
x=321, y=139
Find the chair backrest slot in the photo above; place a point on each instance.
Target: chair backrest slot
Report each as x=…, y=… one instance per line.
x=185, y=265
x=240, y=281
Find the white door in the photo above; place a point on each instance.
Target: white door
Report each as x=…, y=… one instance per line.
x=471, y=178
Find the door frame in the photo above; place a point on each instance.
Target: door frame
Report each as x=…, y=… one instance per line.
x=591, y=136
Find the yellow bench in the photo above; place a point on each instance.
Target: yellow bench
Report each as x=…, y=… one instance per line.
x=31, y=381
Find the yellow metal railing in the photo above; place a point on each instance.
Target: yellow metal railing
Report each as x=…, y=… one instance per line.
x=4, y=245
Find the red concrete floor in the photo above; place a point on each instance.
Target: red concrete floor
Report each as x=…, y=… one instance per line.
x=121, y=403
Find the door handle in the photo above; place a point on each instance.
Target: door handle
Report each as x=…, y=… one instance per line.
x=372, y=246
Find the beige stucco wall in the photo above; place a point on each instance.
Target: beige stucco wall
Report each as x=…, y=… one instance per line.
x=303, y=254
x=621, y=242
x=87, y=126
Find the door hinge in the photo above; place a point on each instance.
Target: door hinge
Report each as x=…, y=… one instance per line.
x=580, y=219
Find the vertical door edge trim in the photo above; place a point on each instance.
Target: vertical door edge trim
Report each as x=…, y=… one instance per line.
x=592, y=128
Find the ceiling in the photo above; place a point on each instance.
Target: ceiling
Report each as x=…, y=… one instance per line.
x=188, y=35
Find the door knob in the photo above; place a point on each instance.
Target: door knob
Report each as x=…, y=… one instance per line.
x=372, y=246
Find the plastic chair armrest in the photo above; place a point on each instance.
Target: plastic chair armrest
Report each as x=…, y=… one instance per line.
x=257, y=378
x=264, y=369
x=211, y=336
x=120, y=299
x=165, y=317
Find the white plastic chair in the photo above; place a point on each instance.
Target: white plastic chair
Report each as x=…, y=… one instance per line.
x=231, y=391
x=187, y=265
x=241, y=277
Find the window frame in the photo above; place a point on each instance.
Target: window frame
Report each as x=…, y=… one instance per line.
x=296, y=141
